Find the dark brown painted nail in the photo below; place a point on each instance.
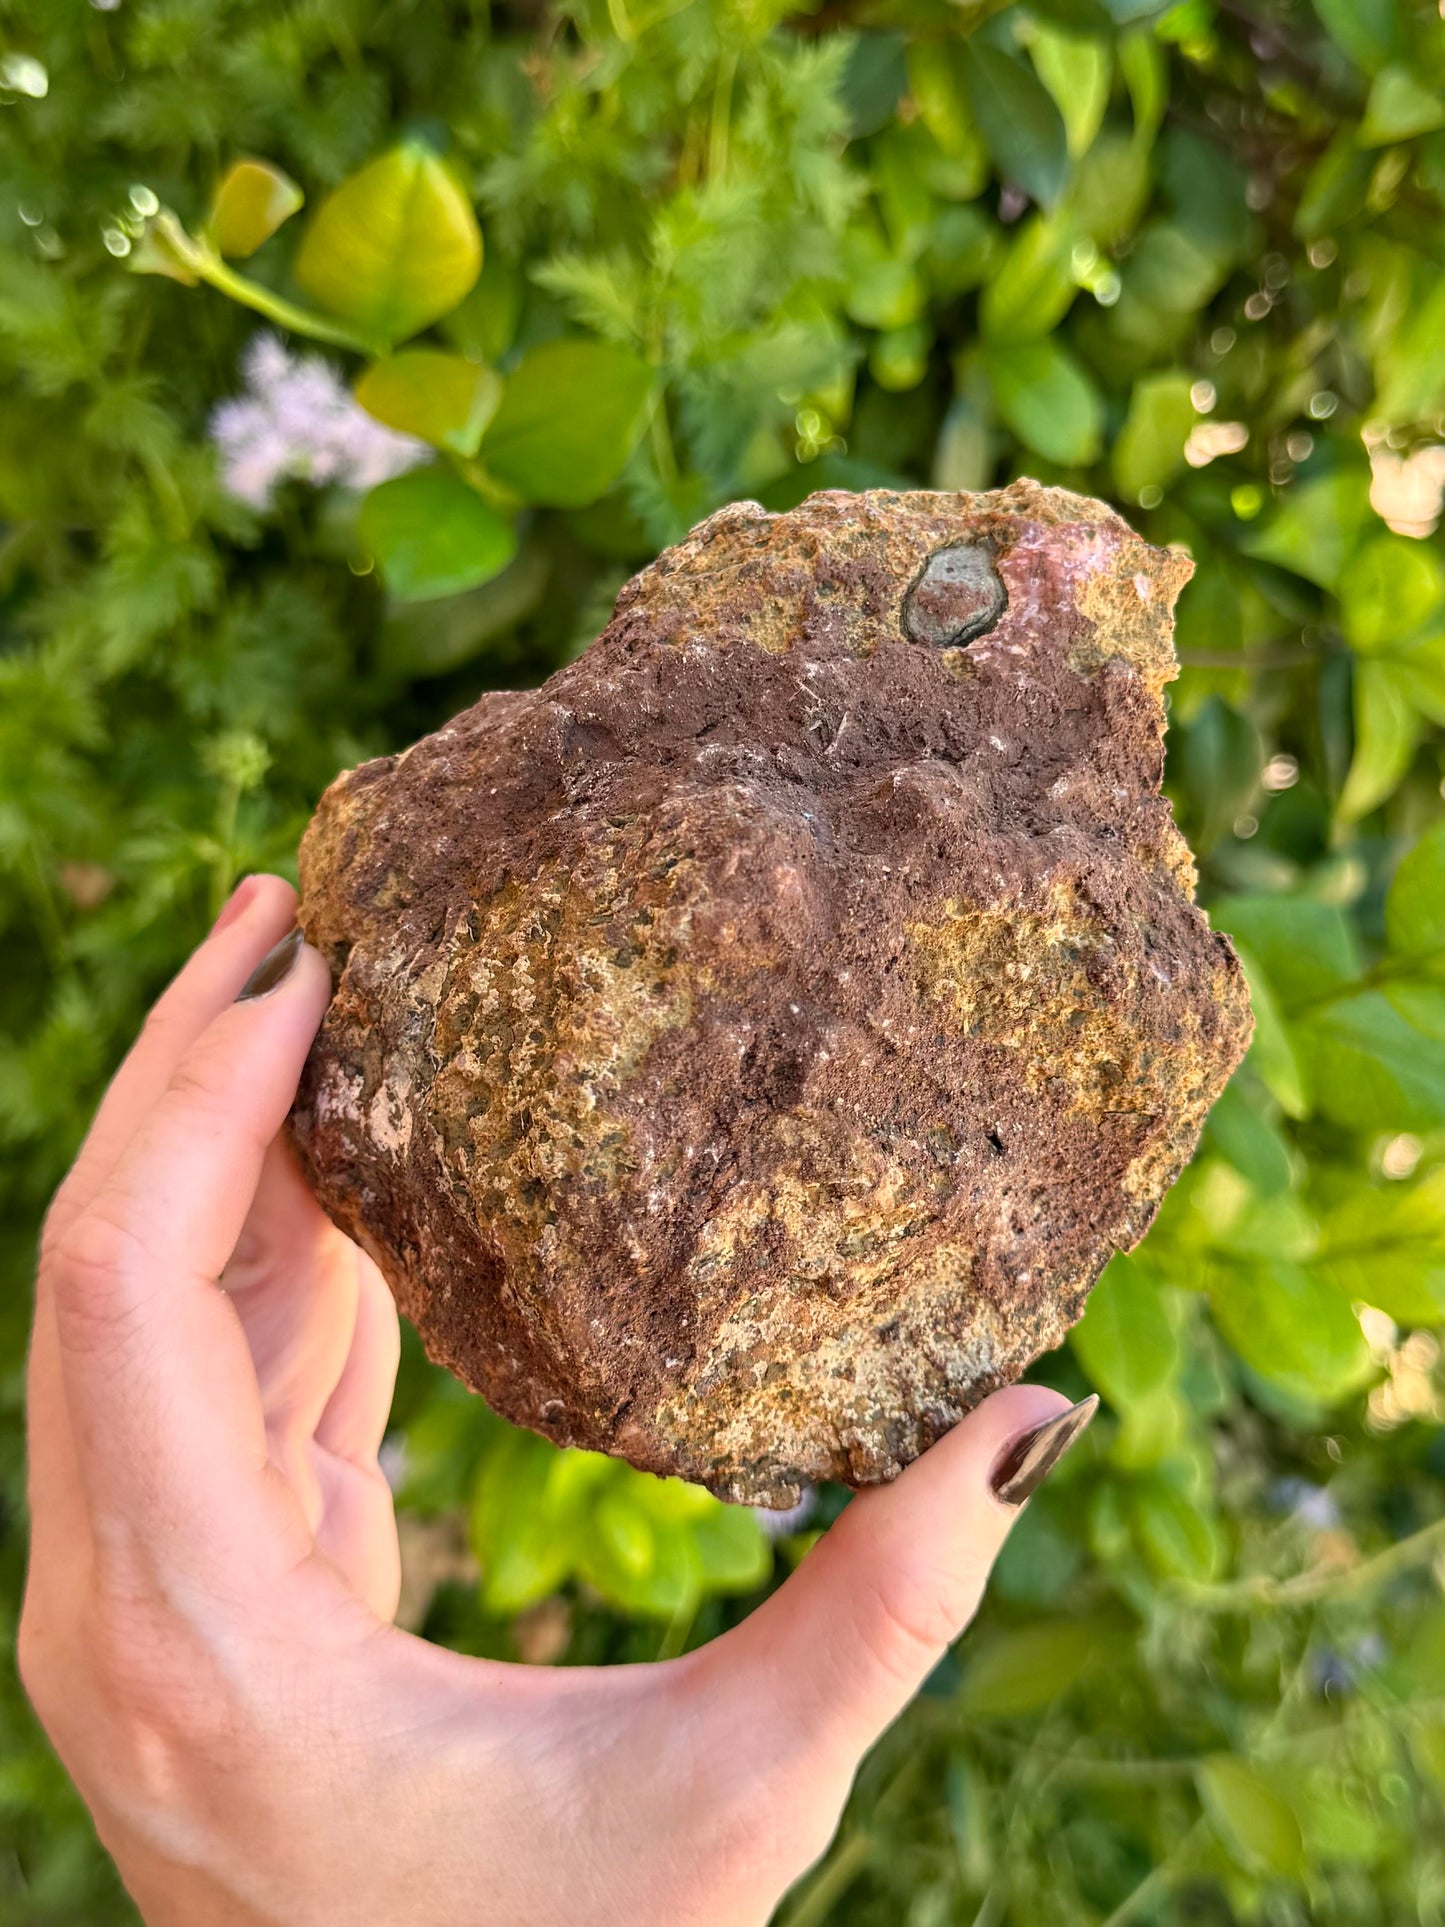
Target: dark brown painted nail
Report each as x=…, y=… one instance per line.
x=1030, y=1459
x=274, y=968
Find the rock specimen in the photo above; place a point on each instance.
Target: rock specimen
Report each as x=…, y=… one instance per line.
x=749, y=1047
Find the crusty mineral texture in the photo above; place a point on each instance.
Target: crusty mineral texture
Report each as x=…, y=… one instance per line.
x=749, y=1047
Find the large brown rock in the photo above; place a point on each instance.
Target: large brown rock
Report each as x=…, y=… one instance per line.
x=749, y=1047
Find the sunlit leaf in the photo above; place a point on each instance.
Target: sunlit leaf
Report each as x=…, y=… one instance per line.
x=1291, y=1326
x=1150, y=449
x=442, y=399
x=1124, y=1340
x=1076, y=71
x=1047, y=399
x=394, y=248
x=252, y=202
x=1387, y=729
x=1415, y=904
x=1400, y=106
x=1316, y=527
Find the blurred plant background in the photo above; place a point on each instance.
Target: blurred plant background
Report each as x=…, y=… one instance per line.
x=449, y=315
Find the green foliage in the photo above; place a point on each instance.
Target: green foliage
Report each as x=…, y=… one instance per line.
x=1190, y=259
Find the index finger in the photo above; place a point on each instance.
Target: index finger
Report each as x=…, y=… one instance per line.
x=259, y=910
x=167, y=1419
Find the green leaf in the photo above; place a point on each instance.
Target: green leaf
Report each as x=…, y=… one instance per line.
x=1150, y=449
x=1415, y=903
x=1047, y=399
x=1145, y=68
x=1387, y=730
x=1290, y=1324
x=1076, y=71
x=1336, y=188
x=568, y=420
x=1022, y=128
x=884, y=289
x=1124, y=1340
x=1399, y=108
x=1271, y=1051
x=1177, y=1537
x=1364, y=29
x=431, y=535
x=1033, y=289
x=1307, y=949
x=1384, y=1244
x=1110, y=187
x=1172, y=270
x=1371, y=1069
x=1409, y=368
x=1315, y=531
x=524, y=1556
x=395, y=248
x=443, y=399
x=1389, y=590
x=1252, y=1144
x=252, y=201
x=1019, y=1672
x=610, y=1557
x=1253, y=1823
x=735, y=1553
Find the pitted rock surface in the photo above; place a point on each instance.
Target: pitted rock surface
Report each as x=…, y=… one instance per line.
x=749, y=1047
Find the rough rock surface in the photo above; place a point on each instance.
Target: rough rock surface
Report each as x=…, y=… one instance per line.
x=749, y=1047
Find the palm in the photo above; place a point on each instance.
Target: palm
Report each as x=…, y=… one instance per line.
x=322, y=1332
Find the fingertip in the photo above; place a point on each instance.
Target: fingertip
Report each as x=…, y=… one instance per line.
x=269, y=899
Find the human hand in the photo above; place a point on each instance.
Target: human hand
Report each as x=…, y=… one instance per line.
x=206, y=1632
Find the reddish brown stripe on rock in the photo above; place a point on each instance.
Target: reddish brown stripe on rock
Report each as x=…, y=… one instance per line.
x=749, y=1047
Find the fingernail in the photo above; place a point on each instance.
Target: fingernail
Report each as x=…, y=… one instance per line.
x=1030, y=1459
x=235, y=904
x=274, y=968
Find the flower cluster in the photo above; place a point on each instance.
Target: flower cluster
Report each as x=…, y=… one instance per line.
x=296, y=420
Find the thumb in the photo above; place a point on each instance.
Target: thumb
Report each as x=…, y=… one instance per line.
x=837, y=1653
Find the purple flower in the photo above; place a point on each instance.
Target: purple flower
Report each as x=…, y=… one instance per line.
x=296, y=420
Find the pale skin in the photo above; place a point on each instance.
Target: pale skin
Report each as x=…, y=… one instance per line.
x=207, y=1631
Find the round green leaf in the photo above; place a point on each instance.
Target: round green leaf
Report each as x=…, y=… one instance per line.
x=1290, y=1324
x=251, y=203
x=431, y=535
x=1415, y=906
x=1124, y=1341
x=394, y=248
x=735, y=1553
x=1047, y=399
x=568, y=420
x=443, y=399
x=1253, y=1824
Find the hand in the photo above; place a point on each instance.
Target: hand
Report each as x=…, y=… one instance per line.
x=206, y=1631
